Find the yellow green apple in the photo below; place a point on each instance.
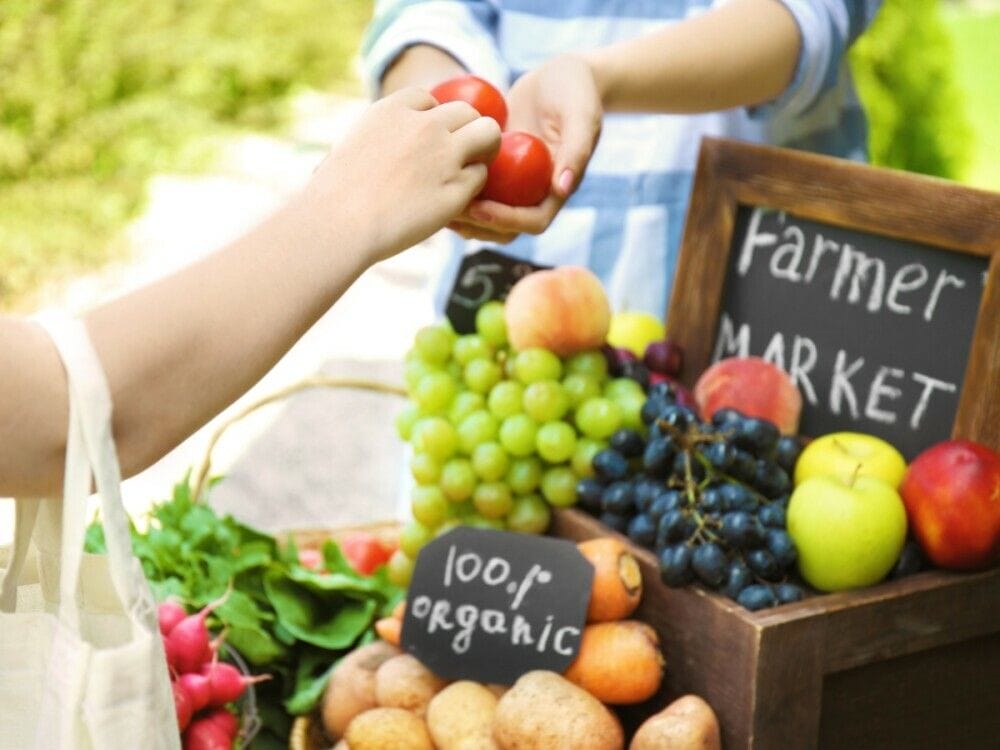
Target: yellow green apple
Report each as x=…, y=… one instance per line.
x=847, y=534
x=635, y=330
x=847, y=454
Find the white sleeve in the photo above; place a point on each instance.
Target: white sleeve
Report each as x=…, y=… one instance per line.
x=465, y=30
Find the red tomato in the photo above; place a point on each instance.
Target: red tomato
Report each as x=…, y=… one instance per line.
x=364, y=551
x=521, y=173
x=485, y=99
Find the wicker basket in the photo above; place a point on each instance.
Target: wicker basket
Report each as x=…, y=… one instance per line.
x=307, y=734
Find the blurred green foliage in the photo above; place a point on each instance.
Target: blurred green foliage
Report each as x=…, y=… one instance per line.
x=904, y=70
x=975, y=34
x=97, y=95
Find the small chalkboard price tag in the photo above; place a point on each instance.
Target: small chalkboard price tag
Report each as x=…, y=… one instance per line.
x=491, y=605
x=483, y=276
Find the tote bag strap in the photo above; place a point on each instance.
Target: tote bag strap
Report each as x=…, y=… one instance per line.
x=26, y=512
x=91, y=451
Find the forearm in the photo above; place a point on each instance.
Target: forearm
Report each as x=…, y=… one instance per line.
x=178, y=351
x=420, y=65
x=181, y=350
x=741, y=53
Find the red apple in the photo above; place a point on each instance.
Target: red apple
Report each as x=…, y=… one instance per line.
x=952, y=497
x=564, y=310
x=751, y=386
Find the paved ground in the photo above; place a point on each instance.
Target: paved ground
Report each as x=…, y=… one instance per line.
x=325, y=457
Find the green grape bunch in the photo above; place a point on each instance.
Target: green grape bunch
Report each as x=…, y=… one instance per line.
x=501, y=437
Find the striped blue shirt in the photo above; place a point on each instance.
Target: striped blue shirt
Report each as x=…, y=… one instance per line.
x=626, y=219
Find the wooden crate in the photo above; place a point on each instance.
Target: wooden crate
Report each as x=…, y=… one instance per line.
x=909, y=664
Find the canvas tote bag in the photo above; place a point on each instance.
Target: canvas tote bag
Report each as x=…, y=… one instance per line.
x=81, y=660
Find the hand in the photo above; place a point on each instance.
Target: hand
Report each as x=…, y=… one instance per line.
x=560, y=103
x=406, y=169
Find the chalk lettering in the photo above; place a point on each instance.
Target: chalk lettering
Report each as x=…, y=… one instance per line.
x=463, y=570
x=754, y=238
x=421, y=607
x=439, y=616
x=820, y=247
x=449, y=563
x=494, y=621
x=944, y=279
x=804, y=356
x=900, y=284
x=841, y=388
x=879, y=390
x=466, y=616
x=862, y=265
x=536, y=573
x=557, y=642
x=544, y=637
x=729, y=344
x=791, y=254
x=497, y=571
x=930, y=385
x=521, y=632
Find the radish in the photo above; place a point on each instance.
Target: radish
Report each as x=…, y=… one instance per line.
x=227, y=682
x=206, y=735
x=189, y=637
x=169, y=613
x=226, y=720
x=182, y=704
x=171, y=654
x=198, y=689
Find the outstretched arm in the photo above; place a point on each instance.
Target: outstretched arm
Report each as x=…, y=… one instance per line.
x=180, y=350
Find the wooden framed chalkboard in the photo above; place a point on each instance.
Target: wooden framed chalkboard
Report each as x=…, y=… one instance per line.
x=877, y=290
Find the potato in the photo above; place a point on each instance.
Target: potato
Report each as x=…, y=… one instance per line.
x=403, y=682
x=351, y=689
x=688, y=723
x=460, y=717
x=388, y=729
x=544, y=711
x=496, y=689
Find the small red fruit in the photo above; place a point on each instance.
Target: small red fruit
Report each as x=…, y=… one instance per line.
x=664, y=357
x=364, y=552
x=952, y=497
x=521, y=172
x=311, y=558
x=484, y=98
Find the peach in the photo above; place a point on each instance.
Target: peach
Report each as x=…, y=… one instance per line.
x=564, y=310
x=751, y=386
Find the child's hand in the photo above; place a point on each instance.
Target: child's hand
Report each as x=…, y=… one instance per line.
x=560, y=103
x=406, y=169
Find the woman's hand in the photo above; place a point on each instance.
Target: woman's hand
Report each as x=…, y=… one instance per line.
x=559, y=102
x=407, y=168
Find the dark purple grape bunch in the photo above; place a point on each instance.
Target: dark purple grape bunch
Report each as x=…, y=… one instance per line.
x=663, y=361
x=709, y=498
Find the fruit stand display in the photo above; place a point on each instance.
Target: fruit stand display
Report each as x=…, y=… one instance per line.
x=738, y=530
x=752, y=587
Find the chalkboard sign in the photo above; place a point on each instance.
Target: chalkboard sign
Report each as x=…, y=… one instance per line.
x=483, y=276
x=853, y=318
x=492, y=605
x=877, y=291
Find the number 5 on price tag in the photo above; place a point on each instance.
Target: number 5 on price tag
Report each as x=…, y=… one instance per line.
x=483, y=276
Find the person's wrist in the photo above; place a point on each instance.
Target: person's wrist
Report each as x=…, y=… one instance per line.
x=421, y=65
x=336, y=222
x=601, y=71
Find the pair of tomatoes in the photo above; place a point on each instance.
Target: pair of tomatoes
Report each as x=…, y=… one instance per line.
x=522, y=170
